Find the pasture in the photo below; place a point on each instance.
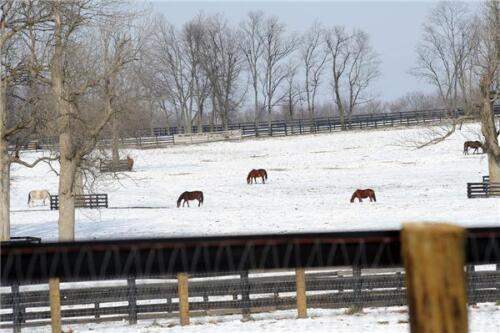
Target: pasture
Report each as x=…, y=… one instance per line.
x=311, y=180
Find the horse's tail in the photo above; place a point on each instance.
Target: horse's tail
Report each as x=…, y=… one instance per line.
x=354, y=196
x=29, y=197
x=201, y=197
x=249, y=176
x=374, y=198
x=265, y=173
x=180, y=199
x=466, y=145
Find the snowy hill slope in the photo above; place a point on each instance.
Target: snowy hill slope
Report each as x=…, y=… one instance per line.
x=311, y=179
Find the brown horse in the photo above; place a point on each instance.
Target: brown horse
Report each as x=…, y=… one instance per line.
x=186, y=196
x=252, y=176
x=473, y=145
x=361, y=194
x=130, y=163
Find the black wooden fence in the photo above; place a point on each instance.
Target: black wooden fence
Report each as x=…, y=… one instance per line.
x=483, y=190
x=163, y=136
x=224, y=294
x=218, y=267
x=83, y=201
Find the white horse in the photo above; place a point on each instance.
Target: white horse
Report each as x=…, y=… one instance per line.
x=38, y=195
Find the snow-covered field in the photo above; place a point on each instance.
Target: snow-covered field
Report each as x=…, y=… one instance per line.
x=483, y=318
x=311, y=179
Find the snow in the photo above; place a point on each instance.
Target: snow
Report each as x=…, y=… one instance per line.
x=311, y=179
x=483, y=318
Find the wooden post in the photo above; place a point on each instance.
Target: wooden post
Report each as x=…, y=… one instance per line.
x=245, y=295
x=300, y=283
x=182, y=283
x=433, y=256
x=55, y=305
x=357, y=304
x=16, y=308
x=132, y=300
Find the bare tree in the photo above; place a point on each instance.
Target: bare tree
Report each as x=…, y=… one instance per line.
x=445, y=54
x=293, y=90
x=19, y=21
x=252, y=47
x=337, y=43
x=77, y=136
x=362, y=72
x=175, y=71
x=314, y=57
x=487, y=63
x=277, y=47
x=468, y=72
x=222, y=62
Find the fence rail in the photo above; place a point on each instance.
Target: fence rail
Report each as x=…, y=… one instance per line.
x=110, y=166
x=219, y=270
x=83, y=201
x=325, y=290
x=163, y=136
x=483, y=190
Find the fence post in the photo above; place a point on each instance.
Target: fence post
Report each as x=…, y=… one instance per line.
x=245, y=295
x=16, y=308
x=471, y=283
x=132, y=300
x=357, y=304
x=433, y=256
x=182, y=285
x=55, y=305
x=300, y=284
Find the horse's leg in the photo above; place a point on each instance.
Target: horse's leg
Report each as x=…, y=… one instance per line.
x=187, y=202
x=263, y=181
x=199, y=202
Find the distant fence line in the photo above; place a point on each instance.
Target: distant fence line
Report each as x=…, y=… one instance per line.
x=163, y=136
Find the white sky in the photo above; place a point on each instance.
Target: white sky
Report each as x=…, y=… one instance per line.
x=394, y=27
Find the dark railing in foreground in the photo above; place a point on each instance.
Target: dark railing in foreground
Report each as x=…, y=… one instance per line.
x=105, y=259
x=224, y=295
x=219, y=282
x=164, y=136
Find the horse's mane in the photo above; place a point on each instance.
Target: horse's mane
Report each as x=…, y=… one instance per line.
x=354, y=196
x=250, y=175
x=180, y=199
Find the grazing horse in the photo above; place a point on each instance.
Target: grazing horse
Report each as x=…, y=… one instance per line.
x=368, y=193
x=253, y=174
x=186, y=196
x=473, y=145
x=130, y=163
x=38, y=195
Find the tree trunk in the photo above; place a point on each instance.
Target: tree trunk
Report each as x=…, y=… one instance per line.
x=67, y=175
x=199, y=124
x=115, y=144
x=4, y=190
x=256, y=105
x=494, y=168
x=79, y=186
x=4, y=168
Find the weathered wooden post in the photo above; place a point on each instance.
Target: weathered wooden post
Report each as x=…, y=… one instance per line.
x=300, y=284
x=433, y=256
x=55, y=305
x=182, y=285
x=16, y=308
x=245, y=295
x=132, y=300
